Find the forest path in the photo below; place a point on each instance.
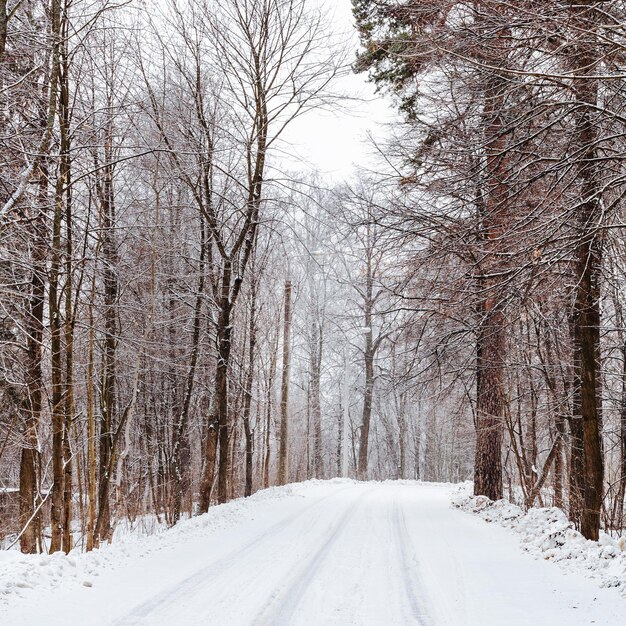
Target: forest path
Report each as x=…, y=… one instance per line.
x=342, y=553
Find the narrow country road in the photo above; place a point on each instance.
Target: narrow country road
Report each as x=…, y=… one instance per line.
x=337, y=553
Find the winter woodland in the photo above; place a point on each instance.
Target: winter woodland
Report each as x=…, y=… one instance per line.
x=189, y=314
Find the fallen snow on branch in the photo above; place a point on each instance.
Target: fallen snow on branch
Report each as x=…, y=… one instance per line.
x=546, y=533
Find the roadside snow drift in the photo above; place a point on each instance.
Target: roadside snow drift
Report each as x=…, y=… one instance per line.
x=547, y=533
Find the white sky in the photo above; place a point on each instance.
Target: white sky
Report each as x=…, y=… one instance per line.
x=334, y=142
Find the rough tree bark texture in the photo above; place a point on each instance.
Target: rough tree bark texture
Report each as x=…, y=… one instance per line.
x=490, y=407
x=588, y=267
x=587, y=339
x=491, y=344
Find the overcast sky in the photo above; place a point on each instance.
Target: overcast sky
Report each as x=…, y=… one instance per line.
x=333, y=142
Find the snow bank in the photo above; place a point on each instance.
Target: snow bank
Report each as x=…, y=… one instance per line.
x=546, y=533
x=20, y=573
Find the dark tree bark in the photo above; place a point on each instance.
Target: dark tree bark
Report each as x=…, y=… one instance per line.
x=224, y=332
x=247, y=402
x=491, y=345
x=218, y=426
x=108, y=400
x=588, y=267
x=489, y=407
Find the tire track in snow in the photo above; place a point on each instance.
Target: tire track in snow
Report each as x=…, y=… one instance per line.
x=410, y=572
x=215, y=569
x=279, y=610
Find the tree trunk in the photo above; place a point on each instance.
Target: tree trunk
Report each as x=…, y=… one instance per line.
x=56, y=370
x=247, y=402
x=29, y=517
x=587, y=342
x=91, y=426
x=558, y=461
x=224, y=332
x=588, y=270
x=314, y=390
x=283, y=453
x=491, y=344
x=617, y=517
x=268, y=415
x=181, y=453
x=402, y=432
x=54, y=312
x=210, y=457
x=368, y=360
x=367, y=402
x=66, y=191
x=218, y=426
x=108, y=404
x=621, y=491
x=490, y=407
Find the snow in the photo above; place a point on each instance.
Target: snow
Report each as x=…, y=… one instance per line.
x=546, y=533
x=321, y=552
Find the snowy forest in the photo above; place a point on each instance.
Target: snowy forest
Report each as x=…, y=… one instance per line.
x=189, y=315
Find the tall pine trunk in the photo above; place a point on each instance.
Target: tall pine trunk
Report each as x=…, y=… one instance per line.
x=491, y=343
x=588, y=266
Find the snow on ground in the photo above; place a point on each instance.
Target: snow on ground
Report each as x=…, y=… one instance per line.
x=22, y=572
x=547, y=534
x=335, y=552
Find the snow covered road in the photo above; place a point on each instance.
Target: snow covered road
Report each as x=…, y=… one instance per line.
x=326, y=553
